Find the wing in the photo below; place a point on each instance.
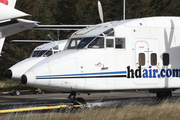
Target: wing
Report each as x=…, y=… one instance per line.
x=7, y=13
x=15, y=26
x=60, y=27
x=31, y=41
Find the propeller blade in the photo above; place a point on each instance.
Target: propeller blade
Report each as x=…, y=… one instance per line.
x=100, y=11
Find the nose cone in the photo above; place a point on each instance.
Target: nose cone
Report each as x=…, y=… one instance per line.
x=8, y=74
x=13, y=73
x=24, y=79
x=28, y=78
x=20, y=68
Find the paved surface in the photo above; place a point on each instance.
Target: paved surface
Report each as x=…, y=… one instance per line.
x=102, y=99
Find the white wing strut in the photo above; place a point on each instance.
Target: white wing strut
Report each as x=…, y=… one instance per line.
x=31, y=41
x=60, y=27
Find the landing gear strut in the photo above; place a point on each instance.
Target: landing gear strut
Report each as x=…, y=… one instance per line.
x=76, y=101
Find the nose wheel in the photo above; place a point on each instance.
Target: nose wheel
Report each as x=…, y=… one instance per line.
x=74, y=100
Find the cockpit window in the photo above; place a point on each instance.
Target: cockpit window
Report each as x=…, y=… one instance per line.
x=97, y=43
x=35, y=53
x=38, y=53
x=78, y=43
x=73, y=43
x=109, y=32
x=48, y=53
x=84, y=42
x=41, y=53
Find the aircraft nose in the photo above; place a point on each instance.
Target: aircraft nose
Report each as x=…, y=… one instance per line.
x=8, y=74
x=28, y=78
x=24, y=79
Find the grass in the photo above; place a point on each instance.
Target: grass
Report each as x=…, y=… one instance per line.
x=168, y=110
x=8, y=85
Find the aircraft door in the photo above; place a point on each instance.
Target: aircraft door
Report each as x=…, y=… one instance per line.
x=141, y=54
x=109, y=45
x=147, y=56
x=110, y=58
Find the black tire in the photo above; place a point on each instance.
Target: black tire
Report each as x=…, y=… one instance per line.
x=163, y=94
x=81, y=100
x=17, y=92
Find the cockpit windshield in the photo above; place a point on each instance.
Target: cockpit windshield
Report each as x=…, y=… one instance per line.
x=84, y=42
x=38, y=53
x=78, y=43
x=73, y=43
x=48, y=53
x=97, y=43
x=90, y=42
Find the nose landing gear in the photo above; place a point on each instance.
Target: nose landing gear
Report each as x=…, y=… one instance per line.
x=76, y=101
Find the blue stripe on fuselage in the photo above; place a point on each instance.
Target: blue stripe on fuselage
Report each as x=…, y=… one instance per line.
x=82, y=74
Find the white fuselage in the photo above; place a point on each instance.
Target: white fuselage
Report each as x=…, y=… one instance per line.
x=40, y=53
x=143, y=54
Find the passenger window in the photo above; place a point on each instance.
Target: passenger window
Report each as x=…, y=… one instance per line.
x=141, y=59
x=120, y=43
x=166, y=59
x=153, y=59
x=97, y=43
x=110, y=43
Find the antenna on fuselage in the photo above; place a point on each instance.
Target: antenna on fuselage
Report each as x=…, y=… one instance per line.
x=100, y=11
x=58, y=34
x=50, y=37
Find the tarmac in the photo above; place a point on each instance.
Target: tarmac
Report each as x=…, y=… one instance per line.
x=28, y=99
